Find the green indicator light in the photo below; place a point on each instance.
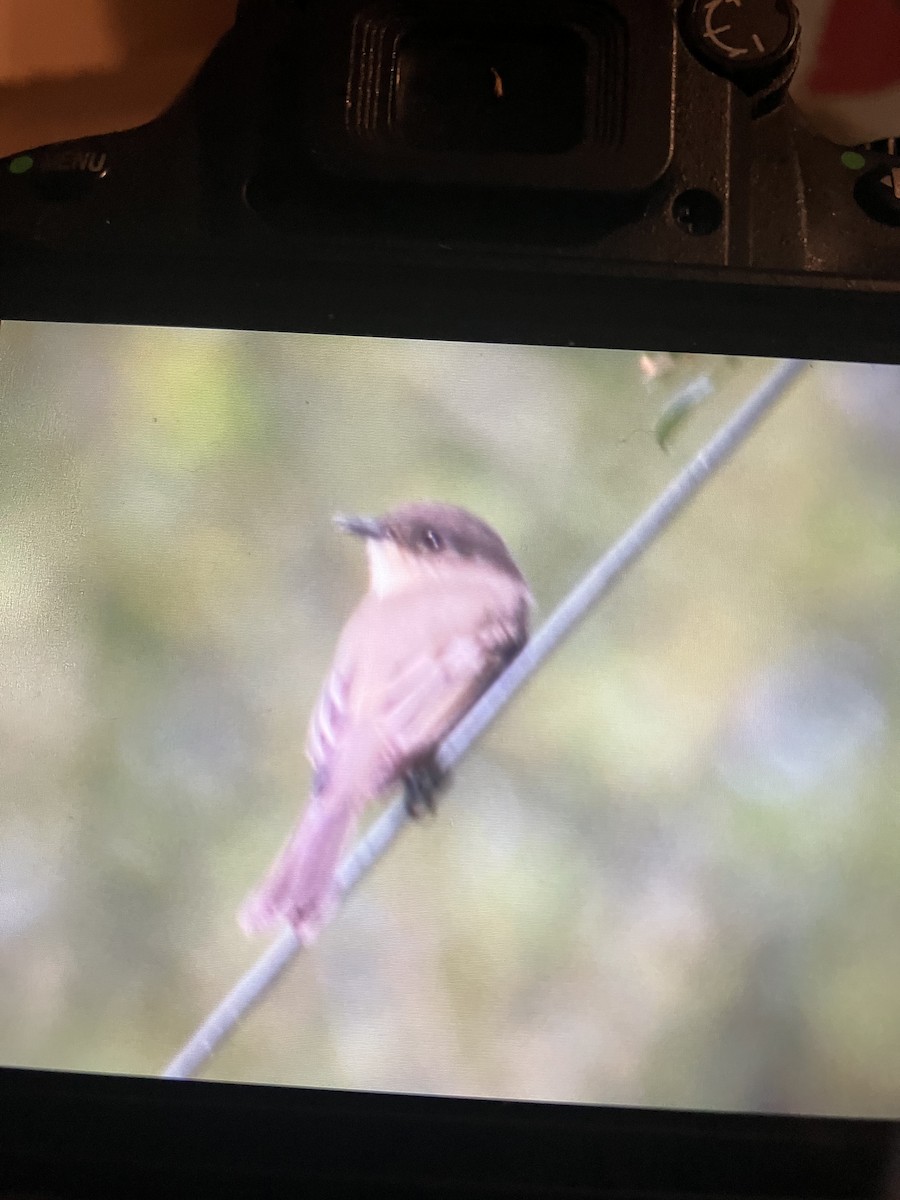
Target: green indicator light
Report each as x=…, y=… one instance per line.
x=853, y=160
x=20, y=164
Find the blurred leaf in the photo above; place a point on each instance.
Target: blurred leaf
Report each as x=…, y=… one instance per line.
x=679, y=409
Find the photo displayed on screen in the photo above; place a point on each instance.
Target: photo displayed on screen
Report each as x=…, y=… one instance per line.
x=668, y=874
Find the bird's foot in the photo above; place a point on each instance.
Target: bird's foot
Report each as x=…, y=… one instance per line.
x=422, y=783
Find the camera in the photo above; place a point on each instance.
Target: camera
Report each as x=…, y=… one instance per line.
x=342, y=165
x=612, y=174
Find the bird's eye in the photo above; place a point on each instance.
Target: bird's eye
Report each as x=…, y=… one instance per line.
x=432, y=541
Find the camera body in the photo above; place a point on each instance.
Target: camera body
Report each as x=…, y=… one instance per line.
x=594, y=170
x=616, y=172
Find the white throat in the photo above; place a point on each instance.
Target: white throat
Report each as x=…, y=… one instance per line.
x=393, y=570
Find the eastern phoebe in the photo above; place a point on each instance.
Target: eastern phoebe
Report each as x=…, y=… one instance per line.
x=446, y=610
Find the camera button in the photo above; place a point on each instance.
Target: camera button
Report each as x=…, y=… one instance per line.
x=877, y=193
x=68, y=171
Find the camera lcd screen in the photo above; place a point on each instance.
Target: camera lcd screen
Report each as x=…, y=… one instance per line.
x=669, y=875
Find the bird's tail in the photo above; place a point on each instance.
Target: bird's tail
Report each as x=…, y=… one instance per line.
x=299, y=884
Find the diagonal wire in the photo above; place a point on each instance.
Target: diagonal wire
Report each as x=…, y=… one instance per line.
x=250, y=989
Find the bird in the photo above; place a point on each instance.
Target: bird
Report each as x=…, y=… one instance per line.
x=446, y=609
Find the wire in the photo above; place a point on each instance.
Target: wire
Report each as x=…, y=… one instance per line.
x=566, y=617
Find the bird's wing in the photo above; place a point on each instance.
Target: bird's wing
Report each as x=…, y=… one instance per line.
x=432, y=689
x=390, y=698
x=327, y=725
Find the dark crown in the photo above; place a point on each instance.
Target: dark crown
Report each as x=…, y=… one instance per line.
x=428, y=528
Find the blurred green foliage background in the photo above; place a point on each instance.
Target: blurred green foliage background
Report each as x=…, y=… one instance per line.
x=671, y=873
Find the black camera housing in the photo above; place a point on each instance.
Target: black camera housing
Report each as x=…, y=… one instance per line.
x=277, y=193
x=67, y=1136
x=687, y=206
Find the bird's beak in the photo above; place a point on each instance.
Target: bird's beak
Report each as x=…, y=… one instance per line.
x=367, y=527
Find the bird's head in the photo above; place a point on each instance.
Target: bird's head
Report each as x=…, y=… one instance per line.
x=424, y=538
